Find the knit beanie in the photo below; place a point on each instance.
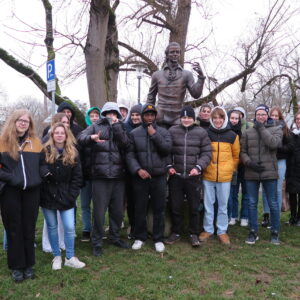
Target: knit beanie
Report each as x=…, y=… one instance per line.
x=262, y=107
x=136, y=109
x=187, y=111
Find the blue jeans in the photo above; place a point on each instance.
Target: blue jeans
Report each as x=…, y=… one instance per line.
x=233, y=201
x=67, y=217
x=85, y=199
x=281, y=176
x=216, y=191
x=270, y=187
x=4, y=240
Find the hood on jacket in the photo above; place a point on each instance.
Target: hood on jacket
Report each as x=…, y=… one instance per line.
x=123, y=106
x=87, y=115
x=66, y=105
x=225, y=121
x=134, y=109
x=111, y=106
x=241, y=109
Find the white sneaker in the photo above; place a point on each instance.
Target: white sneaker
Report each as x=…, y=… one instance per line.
x=232, y=221
x=137, y=245
x=244, y=222
x=159, y=247
x=56, y=263
x=74, y=262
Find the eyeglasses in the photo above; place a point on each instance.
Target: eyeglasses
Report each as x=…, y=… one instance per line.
x=23, y=121
x=261, y=115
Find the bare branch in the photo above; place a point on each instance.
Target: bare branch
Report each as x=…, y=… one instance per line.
x=151, y=65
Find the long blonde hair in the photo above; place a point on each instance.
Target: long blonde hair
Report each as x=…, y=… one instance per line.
x=69, y=153
x=57, y=118
x=9, y=135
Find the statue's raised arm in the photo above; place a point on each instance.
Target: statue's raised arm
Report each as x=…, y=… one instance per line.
x=170, y=85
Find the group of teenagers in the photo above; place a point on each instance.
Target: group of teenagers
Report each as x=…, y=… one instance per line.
x=132, y=162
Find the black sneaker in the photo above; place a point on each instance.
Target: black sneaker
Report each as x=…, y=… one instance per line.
x=17, y=275
x=28, y=273
x=174, y=237
x=266, y=221
x=275, y=238
x=97, y=251
x=194, y=240
x=252, y=238
x=121, y=244
x=86, y=237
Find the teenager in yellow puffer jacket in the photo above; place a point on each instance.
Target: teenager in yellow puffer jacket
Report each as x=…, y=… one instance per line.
x=217, y=176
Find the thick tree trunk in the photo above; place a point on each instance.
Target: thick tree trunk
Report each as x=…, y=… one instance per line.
x=180, y=27
x=112, y=58
x=95, y=52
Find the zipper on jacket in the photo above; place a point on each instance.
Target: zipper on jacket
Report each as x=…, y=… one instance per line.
x=218, y=158
x=110, y=149
x=149, y=159
x=184, y=156
x=23, y=170
x=259, y=139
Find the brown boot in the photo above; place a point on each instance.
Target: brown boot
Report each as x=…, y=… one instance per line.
x=224, y=238
x=204, y=236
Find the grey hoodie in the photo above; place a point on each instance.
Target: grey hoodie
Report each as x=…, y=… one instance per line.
x=111, y=106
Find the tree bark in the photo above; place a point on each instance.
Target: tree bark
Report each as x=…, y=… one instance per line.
x=101, y=81
x=180, y=26
x=112, y=58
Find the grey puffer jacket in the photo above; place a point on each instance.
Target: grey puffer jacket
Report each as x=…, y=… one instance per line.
x=191, y=148
x=260, y=146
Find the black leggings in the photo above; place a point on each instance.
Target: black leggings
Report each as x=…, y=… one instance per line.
x=19, y=210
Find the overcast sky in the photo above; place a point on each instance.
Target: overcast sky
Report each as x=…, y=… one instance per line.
x=231, y=18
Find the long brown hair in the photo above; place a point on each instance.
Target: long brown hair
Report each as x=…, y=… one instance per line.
x=69, y=153
x=57, y=118
x=9, y=135
x=280, y=115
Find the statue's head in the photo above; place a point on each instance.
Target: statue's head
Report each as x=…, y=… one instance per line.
x=173, y=52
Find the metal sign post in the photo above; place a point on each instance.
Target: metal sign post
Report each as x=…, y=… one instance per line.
x=51, y=83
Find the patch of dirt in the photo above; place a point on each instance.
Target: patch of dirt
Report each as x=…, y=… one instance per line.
x=263, y=279
x=228, y=293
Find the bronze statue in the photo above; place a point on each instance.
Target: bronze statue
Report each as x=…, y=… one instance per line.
x=170, y=84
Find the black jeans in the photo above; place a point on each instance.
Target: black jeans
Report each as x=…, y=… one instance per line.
x=130, y=206
x=153, y=190
x=178, y=188
x=107, y=194
x=295, y=205
x=19, y=210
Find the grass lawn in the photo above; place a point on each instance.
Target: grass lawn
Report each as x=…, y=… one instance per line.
x=213, y=271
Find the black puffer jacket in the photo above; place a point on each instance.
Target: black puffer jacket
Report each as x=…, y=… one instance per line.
x=106, y=156
x=26, y=171
x=150, y=153
x=191, y=148
x=284, y=151
x=293, y=165
x=60, y=190
x=203, y=123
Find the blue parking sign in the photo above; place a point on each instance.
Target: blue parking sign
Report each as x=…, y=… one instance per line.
x=50, y=70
